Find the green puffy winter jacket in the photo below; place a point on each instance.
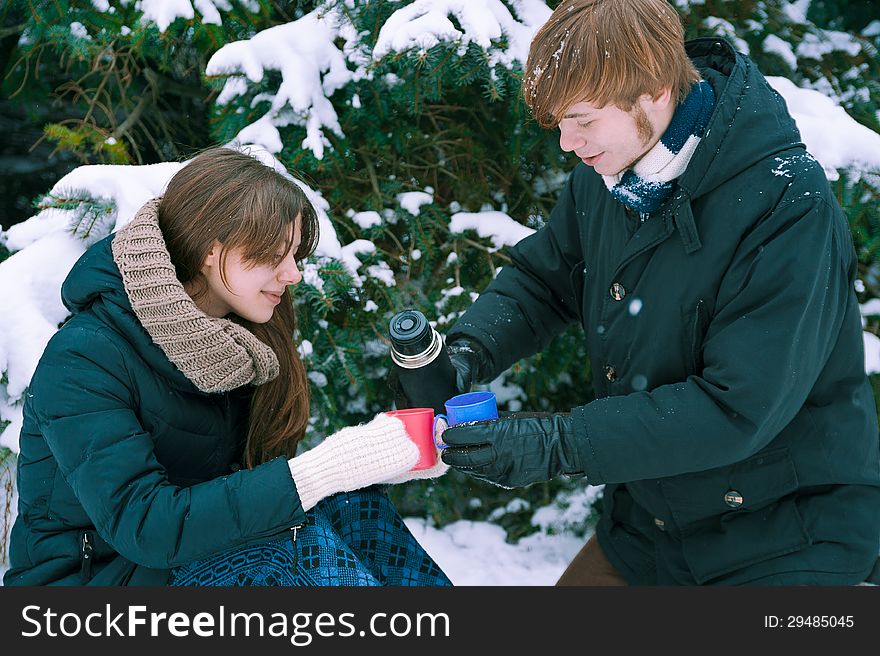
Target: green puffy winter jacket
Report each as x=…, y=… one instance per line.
x=126, y=469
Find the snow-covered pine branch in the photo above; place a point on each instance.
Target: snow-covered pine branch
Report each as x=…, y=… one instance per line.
x=426, y=23
x=312, y=67
x=165, y=12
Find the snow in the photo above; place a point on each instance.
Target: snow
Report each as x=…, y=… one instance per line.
x=312, y=67
x=33, y=312
x=816, y=46
x=79, y=30
x=383, y=273
x=497, y=226
x=426, y=23
x=350, y=255
x=774, y=44
x=872, y=352
x=412, y=201
x=508, y=394
x=165, y=12
x=796, y=10
x=208, y=10
x=832, y=136
x=475, y=553
x=872, y=342
x=366, y=219
x=311, y=276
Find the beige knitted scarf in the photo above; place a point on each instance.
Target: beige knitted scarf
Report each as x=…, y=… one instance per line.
x=217, y=355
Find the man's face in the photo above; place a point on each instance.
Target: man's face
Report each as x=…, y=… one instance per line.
x=610, y=139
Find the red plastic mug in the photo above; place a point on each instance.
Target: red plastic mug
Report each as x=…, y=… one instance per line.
x=419, y=424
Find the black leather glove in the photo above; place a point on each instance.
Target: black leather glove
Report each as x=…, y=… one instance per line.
x=514, y=451
x=471, y=362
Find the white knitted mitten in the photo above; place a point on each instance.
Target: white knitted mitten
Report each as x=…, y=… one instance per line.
x=352, y=458
x=431, y=472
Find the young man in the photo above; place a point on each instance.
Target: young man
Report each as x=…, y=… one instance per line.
x=703, y=251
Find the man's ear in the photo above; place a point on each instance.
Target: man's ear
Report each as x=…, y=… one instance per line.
x=662, y=100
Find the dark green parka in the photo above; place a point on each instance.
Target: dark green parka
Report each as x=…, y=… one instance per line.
x=126, y=469
x=734, y=426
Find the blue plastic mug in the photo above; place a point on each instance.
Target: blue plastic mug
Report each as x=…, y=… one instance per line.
x=472, y=406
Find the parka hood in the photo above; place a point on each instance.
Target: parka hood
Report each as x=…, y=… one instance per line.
x=745, y=128
x=95, y=283
x=94, y=276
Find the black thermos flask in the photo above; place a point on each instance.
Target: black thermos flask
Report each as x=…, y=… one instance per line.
x=426, y=377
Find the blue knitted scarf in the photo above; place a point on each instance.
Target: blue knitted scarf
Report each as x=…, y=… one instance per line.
x=646, y=185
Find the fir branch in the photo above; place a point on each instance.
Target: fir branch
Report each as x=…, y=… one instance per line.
x=371, y=170
x=14, y=29
x=91, y=218
x=133, y=117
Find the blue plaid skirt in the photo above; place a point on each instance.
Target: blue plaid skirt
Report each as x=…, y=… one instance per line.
x=349, y=539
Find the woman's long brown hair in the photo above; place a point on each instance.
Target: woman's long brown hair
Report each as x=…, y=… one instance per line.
x=242, y=203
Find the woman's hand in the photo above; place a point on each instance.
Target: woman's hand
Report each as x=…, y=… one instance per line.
x=353, y=458
x=431, y=472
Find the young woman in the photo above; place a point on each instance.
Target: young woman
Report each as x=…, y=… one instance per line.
x=161, y=424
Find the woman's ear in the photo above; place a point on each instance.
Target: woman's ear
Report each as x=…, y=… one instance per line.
x=212, y=260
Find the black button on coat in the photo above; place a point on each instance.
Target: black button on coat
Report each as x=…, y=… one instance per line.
x=737, y=352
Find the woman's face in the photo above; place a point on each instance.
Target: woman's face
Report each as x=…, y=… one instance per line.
x=252, y=291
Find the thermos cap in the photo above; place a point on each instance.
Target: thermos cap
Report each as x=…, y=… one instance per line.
x=411, y=334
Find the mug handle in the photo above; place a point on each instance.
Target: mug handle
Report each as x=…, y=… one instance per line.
x=438, y=441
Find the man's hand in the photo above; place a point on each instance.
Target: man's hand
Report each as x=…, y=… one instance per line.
x=514, y=451
x=471, y=362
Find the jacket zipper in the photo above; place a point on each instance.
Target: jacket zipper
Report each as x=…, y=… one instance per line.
x=295, y=549
x=86, y=551
x=695, y=334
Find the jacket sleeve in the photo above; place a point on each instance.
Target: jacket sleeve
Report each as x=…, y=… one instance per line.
x=535, y=297
x=779, y=311
x=107, y=459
